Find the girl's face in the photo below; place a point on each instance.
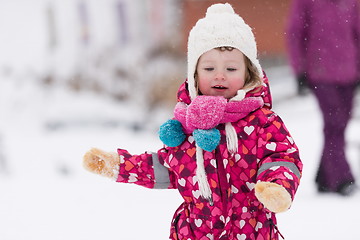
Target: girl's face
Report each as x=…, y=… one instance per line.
x=221, y=73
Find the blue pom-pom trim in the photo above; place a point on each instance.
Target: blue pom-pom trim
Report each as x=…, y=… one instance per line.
x=207, y=139
x=171, y=133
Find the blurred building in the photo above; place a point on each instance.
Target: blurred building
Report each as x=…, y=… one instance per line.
x=118, y=47
x=113, y=47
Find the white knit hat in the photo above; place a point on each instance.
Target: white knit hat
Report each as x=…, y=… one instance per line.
x=221, y=27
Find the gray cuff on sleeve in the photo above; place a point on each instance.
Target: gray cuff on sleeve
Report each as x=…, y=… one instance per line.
x=291, y=166
x=162, y=180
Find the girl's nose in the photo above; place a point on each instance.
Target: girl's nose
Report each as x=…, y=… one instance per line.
x=220, y=75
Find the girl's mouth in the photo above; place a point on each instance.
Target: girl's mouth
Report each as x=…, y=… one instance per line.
x=219, y=87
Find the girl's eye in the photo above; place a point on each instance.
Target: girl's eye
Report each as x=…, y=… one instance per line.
x=209, y=69
x=231, y=69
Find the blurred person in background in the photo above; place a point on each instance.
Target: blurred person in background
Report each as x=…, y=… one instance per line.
x=324, y=50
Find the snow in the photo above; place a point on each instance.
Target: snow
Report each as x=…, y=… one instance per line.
x=45, y=130
x=45, y=192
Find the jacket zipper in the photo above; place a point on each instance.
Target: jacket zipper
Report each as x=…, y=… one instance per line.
x=223, y=182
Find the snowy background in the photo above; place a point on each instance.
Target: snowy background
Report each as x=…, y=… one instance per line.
x=45, y=130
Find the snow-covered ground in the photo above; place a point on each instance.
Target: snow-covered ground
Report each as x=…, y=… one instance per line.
x=46, y=194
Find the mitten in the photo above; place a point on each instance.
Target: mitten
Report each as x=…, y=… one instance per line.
x=103, y=163
x=302, y=78
x=205, y=112
x=302, y=83
x=273, y=196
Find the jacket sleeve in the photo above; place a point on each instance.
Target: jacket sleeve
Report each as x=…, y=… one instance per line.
x=146, y=170
x=356, y=27
x=278, y=156
x=297, y=30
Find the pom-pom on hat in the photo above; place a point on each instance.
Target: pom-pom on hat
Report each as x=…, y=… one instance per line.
x=220, y=27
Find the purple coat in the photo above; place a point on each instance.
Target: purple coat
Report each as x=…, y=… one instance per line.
x=323, y=40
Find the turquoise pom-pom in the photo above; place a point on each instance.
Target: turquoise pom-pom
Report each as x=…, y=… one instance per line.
x=171, y=133
x=207, y=139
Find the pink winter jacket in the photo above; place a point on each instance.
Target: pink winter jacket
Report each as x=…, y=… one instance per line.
x=266, y=152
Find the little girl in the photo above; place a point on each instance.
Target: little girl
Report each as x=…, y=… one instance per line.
x=231, y=157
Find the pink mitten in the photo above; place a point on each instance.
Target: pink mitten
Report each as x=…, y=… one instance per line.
x=180, y=115
x=236, y=110
x=273, y=196
x=205, y=112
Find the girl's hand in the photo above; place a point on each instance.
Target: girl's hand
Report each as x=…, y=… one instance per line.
x=273, y=196
x=103, y=163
